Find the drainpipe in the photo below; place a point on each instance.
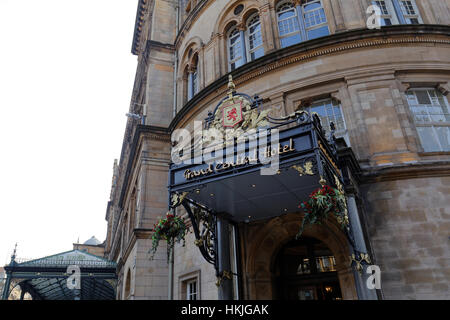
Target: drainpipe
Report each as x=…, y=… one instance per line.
x=170, y=290
x=177, y=10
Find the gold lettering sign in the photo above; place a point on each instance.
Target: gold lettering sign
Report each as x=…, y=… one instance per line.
x=240, y=161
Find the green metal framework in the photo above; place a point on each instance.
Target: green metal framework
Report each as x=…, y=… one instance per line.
x=47, y=278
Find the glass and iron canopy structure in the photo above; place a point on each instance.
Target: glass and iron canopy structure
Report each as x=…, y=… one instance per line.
x=71, y=275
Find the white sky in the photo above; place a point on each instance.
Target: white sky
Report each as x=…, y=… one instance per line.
x=66, y=77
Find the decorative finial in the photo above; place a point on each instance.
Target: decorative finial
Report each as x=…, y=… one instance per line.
x=231, y=86
x=13, y=256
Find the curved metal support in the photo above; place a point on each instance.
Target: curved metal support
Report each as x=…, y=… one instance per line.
x=204, y=225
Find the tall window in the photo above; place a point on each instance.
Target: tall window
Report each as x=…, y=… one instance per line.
x=302, y=22
x=398, y=11
x=410, y=12
x=235, y=49
x=191, y=290
x=432, y=118
x=288, y=24
x=314, y=19
x=329, y=111
x=254, y=39
x=245, y=46
x=193, y=79
x=388, y=16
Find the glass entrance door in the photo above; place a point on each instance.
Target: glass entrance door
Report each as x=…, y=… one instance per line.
x=306, y=270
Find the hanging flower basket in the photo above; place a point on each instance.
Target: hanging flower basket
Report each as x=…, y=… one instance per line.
x=321, y=203
x=172, y=228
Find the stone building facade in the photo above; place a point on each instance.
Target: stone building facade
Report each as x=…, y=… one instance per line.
x=92, y=246
x=387, y=91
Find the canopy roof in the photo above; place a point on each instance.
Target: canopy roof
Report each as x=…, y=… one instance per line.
x=243, y=192
x=46, y=278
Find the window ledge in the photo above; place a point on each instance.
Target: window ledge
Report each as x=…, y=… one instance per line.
x=434, y=153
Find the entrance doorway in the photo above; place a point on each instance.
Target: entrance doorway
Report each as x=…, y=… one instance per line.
x=305, y=269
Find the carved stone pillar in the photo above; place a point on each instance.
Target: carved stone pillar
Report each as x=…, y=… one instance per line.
x=337, y=14
x=267, y=28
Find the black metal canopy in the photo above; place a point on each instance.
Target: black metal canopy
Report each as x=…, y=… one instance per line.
x=240, y=190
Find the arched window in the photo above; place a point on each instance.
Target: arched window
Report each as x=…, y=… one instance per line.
x=186, y=84
x=288, y=25
x=235, y=49
x=192, y=78
x=195, y=76
x=302, y=22
x=254, y=42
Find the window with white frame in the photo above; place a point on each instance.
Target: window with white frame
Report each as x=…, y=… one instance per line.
x=329, y=111
x=430, y=110
x=410, y=12
x=388, y=16
x=315, y=20
x=193, y=80
x=191, y=290
x=288, y=24
x=302, y=22
x=398, y=12
x=254, y=42
x=235, y=49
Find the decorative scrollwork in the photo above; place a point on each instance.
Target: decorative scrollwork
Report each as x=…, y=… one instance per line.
x=301, y=116
x=359, y=259
x=306, y=167
x=222, y=276
x=341, y=190
x=204, y=225
x=177, y=199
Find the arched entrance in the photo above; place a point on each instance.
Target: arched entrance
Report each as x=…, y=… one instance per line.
x=305, y=269
x=266, y=241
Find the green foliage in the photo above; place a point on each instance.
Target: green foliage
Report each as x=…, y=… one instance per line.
x=172, y=228
x=321, y=203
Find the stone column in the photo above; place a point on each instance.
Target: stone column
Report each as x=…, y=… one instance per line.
x=337, y=14
x=267, y=26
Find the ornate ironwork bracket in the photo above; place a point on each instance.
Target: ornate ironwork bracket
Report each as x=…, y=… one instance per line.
x=204, y=223
x=222, y=276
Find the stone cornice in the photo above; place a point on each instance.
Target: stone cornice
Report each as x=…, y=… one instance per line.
x=399, y=35
x=141, y=9
x=406, y=171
